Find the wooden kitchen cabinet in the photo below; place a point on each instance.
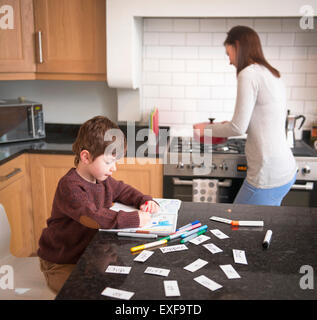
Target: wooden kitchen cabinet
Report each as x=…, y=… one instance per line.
x=45, y=172
x=73, y=39
x=15, y=196
x=17, y=54
x=147, y=177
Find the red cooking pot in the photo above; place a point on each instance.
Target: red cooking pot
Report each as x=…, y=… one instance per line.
x=209, y=140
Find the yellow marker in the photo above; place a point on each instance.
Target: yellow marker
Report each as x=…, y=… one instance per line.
x=148, y=245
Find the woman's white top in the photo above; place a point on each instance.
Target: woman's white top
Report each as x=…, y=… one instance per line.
x=260, y=112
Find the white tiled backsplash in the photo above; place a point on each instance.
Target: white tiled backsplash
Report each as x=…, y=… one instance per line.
x=187, y=75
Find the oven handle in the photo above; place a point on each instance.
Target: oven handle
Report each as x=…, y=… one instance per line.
x=178, y=182
x=308, y=186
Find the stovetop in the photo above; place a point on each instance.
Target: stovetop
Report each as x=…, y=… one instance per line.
x=231, y=146
x=228, y=159
x=189, y=145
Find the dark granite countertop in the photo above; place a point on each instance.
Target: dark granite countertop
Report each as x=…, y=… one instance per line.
x=272, y=273
x=59, y=140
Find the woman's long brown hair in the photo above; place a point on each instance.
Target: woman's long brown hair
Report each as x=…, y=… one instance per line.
x=248, y=47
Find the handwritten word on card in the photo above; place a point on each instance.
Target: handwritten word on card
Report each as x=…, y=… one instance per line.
x=208, y=283
x=219, y=234
x=212, y=248
x=239, y=256
x=197, y=264
x=230, y=272
x=118, y=294
x=200, y=239
x=143, y=256
x=171, y=288
x=178, y=247
x=157, y=271
x=118, y=269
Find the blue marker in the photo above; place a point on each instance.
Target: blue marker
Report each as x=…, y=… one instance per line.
x=188, y=233
x=188, y=225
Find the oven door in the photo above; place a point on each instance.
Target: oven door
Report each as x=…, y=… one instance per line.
x=302, y=194
x=179, y=187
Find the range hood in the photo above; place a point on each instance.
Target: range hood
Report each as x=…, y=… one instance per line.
x=125, y=31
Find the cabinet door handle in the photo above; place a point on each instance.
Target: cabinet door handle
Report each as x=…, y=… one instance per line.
x=39, y=39
x=10, y=175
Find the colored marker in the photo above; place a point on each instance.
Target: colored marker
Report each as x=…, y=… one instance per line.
x=148, y=245
x=267, y=239
x=193, y=236
x=136, y=235
x=188, y=225
x=173, y=236
x=188, y=233
x=247, y=223
x=194, y=226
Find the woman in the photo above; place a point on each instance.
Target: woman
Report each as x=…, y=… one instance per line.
x=260, y=111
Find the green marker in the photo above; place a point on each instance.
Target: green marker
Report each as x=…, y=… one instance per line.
x=173, y=236
x=195, y=235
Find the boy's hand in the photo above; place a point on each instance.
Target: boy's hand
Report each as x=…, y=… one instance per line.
x=144, y=217
x=150, y=206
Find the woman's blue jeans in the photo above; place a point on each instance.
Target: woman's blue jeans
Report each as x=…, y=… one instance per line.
x=266, y=197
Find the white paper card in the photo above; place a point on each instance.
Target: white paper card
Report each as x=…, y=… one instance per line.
x=214, y=218
x=229, y=271
x=157, y=271
x=208, y=283
x=219, y=234
x=118, y=269
x=171, y=288
x=143, y=256
x=200, y=239
x=177, y=247
x=239, y=256
x=116, y=293
x=212, y=248
x=197, y=264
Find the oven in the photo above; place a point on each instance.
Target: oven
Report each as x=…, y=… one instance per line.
x=179, y=187
x=228, y=166
x=304, y=191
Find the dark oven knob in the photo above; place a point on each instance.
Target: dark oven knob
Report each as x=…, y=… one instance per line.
x=306, y=170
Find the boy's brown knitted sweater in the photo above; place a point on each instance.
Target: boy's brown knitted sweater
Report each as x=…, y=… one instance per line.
x=79, y=209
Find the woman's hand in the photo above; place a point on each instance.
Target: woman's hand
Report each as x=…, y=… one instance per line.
x=150, y=206
x=199, y=128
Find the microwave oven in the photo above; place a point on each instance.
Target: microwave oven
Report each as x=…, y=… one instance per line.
x=21, y=121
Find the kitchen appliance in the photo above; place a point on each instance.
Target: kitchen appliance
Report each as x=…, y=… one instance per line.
x=21, y=120
x=187, y=160
x=290, y=127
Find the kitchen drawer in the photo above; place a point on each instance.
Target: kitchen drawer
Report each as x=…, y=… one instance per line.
x=12, y=171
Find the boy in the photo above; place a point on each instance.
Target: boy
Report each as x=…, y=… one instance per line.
x=82, y=201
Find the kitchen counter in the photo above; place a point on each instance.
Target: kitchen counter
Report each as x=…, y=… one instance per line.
x=272, y=273
x=59, y=140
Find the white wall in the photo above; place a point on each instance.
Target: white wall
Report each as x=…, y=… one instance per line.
x=186, y=73
x=71, y=102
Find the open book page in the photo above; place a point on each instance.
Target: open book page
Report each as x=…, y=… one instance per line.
x=163, y=222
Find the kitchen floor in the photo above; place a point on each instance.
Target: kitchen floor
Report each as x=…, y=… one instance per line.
x=29, y=281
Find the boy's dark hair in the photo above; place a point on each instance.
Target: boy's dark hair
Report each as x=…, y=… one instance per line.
x=91, y=137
